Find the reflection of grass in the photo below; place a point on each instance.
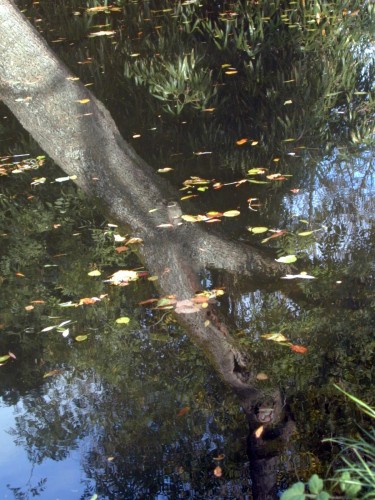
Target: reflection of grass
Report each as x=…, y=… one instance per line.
x=355, y=478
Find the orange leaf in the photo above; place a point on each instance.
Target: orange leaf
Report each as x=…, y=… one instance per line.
x=240, y=142
x=86, y=300
x=299, y=348
x=121, y=249
x=218, y=471
x=148, y=301
x=259, y=432
x=183, y=411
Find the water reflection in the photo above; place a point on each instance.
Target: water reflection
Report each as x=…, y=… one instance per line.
x=136, y=412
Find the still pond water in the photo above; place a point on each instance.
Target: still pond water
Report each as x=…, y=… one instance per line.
x=134, y=409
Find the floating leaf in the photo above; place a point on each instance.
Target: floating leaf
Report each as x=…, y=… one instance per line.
x=96, y=272
x=287, y=259
x=123, y=277
x=165, y=225
x=254, y=181
x=302, y=275
x=133, y=241
x=164, y=170
x=262, y=376
x=148, y=301
x=4, y=358
x=276, y=337
x=88, y=300
x=186, y=306
x=256, y=171
x=29, y=308
x=189, y=218
x=240, y=142
x=258, y=229
x=305, y=233
x=83, y=101
x=52, y=373
x=81, y=338
x=299, y=348
x=183, y=411
x=102, y=33
x=231, y=213
x=276, y=234
x=254, y=143
x=218, y=471
x=259, y=432
x=121, y=249
x=124, y=320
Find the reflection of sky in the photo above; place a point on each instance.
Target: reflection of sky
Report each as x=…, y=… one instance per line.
x=339, y=197
x=64, y=479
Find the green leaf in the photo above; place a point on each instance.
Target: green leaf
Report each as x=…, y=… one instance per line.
x=81, y=338
x=254, y=181
x=4, y=358
x=315, y=484
x=287, y=259
x=323, y=495
x=295, y=492
x=305, y=233
x=124, y=320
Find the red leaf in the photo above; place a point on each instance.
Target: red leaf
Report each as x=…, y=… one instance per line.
x=299, y=348
x=183, y=411
x=121, y=249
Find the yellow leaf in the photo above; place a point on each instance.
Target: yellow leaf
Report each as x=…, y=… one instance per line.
x=259, y=432
x=81, y=338
x=231, y=213
x=83, y=101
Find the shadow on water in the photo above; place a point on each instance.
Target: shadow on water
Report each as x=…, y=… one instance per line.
x=134, y=410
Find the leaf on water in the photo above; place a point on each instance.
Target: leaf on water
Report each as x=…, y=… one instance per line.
x=49, y=328
x=206, y=323
x=231, y=213
x=276, y=234
x=276, y=177
x=256, y=171
x=11, y=355
x=29, y=308
x=88, y=300
x=81, y=338
x=118, y=238
x=40, y=180
x=65, y=333
x=52, y=373
x=62, y=179
x=94, y=497
x=152, y=278
x=254, y=143
x=183, y=411
x=214, y=214
x=102, y=33
x=133, y=241
x=289, y=101
x=166, y=302
x=258, y=229
x=302, y=275
x=186, y=306
x=304, y=221
x=254, y=181
x=262, y=376
x=218, y=471
x=148, y=301
x=189, y=218
x=164, y=170
x=165, y=225
x=259, y=432
x=4, y=358
x=96, y=272
x=276, y=337
x=123, y=277
x=299, y=348
x=83, y=101
x=124, y=320
x=121, y=249
x=287, y=259
x=187, y=197
x=305, y=233
x=240, y=142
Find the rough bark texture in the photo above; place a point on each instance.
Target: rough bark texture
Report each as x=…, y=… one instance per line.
x=83, y=139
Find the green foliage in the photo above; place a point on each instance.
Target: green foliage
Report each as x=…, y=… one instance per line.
x=354, y=477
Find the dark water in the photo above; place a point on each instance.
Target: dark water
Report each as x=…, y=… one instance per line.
x=135, y=410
